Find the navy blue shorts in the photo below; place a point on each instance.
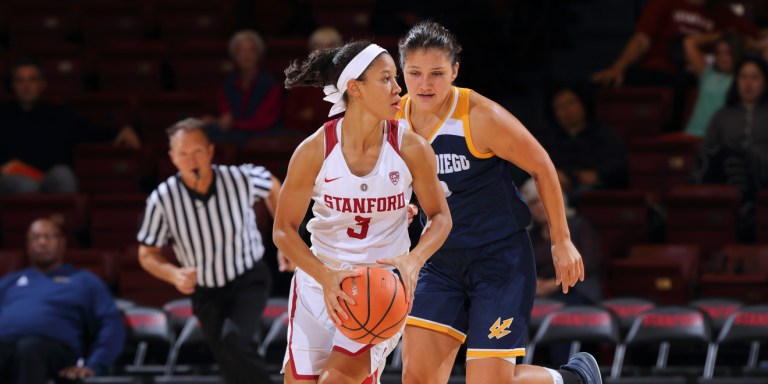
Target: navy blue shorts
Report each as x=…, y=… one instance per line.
x=482, y=296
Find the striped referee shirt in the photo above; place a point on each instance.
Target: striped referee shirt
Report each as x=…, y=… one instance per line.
x=215, y=233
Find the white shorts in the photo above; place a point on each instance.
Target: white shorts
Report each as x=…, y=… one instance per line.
x=312, y=335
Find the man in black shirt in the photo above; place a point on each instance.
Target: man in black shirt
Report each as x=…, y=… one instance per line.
x=37, y=138
x=587, y=155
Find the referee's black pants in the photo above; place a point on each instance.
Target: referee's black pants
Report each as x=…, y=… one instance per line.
x=231, y=321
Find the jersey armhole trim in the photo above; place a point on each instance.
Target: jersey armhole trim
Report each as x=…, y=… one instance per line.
x=468, y=132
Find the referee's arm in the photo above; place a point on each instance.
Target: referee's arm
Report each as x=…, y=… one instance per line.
x=153, y=262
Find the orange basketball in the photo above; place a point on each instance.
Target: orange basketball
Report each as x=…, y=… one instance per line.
x=380, y=306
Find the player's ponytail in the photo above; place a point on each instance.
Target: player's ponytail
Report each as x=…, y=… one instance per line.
x=322, y=67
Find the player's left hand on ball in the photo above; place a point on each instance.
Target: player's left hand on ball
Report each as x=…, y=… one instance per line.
x=333, y=294
x=409, y=267
x=569, y=268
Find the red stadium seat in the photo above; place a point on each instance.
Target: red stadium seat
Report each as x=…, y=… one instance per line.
x=100, y=262
x=541, y=308
x=703, y=214
x=762, y=217
x=18, y=212
x=747, y=325
x=635, y=112
x=658, y=164
x=106, y=21
x=666, y=326
x=272, y=152
x=281, y=52
x=181, y=21
x=305, y=110
x=132, y=67
x=157, y=112
x=35, y=22
x=108, y=110
x=575, y=324
x=350, y=17
x=627, y=309
x=115, y=219
x=665, y=274
x=190, y=345
x=138, y=285
x=718, y=310
x=105, y=168
x=745, y=276
x=621, y=218
x=201, y=65
x=150, y=336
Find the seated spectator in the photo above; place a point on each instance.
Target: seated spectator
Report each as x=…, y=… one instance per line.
x=307, y=109
x=585, y=239
x=654, y=56
x=48, y=309
x=735, y=148
x=654, y=52
x=586, y=154
x=715, y=78
x=250, y=101
x=37, y=139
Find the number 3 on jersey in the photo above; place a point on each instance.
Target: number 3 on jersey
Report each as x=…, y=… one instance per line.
x=363, y=222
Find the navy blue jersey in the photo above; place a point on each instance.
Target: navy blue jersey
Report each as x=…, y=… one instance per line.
x=484, y=202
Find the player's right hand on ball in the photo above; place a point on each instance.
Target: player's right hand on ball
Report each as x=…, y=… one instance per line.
x=332, y=292
x=184, y=279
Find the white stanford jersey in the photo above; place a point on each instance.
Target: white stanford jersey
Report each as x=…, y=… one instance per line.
x=360, y=219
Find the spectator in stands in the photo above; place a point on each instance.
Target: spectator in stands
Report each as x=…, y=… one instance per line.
x=37, y=139
x=307, y=109
x=715, y=78
x=586, y=240
x=250, y=101
x=654, y=54
x=586, y=154
x=48, y=309
x=735, y=148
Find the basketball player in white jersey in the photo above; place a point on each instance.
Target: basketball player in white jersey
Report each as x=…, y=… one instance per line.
x=360, y=171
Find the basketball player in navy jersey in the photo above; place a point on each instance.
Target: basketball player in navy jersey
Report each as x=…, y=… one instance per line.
x=360, y=171
x=479, y=287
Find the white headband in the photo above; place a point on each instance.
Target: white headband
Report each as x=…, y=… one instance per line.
x=335, y=93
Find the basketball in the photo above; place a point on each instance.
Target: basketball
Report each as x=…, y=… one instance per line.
x=380, y=306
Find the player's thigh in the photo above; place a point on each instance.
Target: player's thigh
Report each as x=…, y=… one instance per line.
x=290, y=378
x=345, y=368
x=428, y=355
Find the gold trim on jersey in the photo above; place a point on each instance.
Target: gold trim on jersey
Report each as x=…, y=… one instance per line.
x=462, y=113
x=502, y=353
x=433, y=326
x=459, y=111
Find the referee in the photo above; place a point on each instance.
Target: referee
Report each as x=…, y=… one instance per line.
x=206, y=212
